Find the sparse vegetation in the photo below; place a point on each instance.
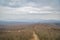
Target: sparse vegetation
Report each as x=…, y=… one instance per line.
x=43, y=31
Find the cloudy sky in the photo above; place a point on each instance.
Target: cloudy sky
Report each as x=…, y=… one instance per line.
x=14, y=10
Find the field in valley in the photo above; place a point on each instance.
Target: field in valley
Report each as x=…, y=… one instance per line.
x=30, y=32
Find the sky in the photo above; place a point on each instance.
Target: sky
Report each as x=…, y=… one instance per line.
x=15, y=10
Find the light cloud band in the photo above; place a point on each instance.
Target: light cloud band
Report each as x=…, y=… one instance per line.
x=29, y=10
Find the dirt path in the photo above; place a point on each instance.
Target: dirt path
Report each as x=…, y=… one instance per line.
x=35, y=37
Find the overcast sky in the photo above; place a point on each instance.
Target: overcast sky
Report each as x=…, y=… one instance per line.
x=14, y=10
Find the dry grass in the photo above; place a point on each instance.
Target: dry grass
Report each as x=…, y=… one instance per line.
x=43, y=31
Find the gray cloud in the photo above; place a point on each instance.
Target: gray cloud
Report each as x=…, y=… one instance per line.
x=29, y=9
x=19, y=3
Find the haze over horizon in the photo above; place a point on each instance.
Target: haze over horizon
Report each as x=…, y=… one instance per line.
x=23, y=10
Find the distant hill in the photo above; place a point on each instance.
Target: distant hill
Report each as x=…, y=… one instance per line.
x=29, y=21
